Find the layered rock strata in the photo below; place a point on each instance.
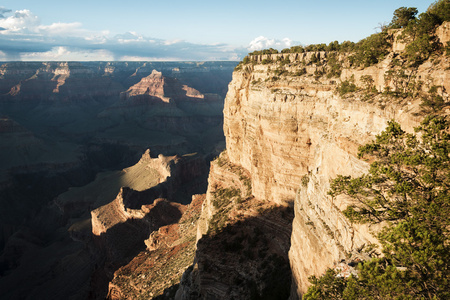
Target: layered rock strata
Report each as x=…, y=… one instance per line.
x=63, y=123
x=146, y=210
x=287, y=125
x=242, y=243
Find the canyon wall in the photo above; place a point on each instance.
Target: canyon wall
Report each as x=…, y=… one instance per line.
x=242, y=244
x=288, y=127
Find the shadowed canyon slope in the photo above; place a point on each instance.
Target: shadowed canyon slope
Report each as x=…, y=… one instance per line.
x=71, y=125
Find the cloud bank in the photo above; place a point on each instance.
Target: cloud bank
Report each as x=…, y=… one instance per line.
x=24, y=37
x=262, y=42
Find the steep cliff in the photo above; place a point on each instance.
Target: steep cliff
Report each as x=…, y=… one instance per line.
x=291, y=127
x=242, y=241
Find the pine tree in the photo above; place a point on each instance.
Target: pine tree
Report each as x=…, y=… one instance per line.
x=408, y=187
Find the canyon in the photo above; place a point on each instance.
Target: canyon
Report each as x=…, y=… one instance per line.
x=162, y=203
x=82, y=137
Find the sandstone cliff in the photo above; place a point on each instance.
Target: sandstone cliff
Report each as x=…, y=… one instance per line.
x=289, y=129
x=157, y=86
x=242, y=241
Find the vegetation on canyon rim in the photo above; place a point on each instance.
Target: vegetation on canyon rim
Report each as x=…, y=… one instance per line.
x=418, y=35
x=406, y=189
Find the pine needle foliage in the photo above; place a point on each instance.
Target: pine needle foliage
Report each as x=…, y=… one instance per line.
x=407, y=188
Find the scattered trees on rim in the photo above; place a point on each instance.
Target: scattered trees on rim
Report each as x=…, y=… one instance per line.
x=418, y=34
x=265, y=51
x=408, y=187
x=402, y=17
x=441, y=9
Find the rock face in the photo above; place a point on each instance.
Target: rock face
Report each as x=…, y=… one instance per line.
x=172, y=173
x=163, y=88
x=289, y=129
x=75, y=80
x=242, y=243
x=151, y=86
x=147, y=173
x=170, y=250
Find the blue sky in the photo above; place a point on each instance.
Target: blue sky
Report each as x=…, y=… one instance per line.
x=180, y=30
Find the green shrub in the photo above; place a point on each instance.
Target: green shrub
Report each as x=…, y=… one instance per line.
x=305, y=180
x=346, y=87
x=372, y=49
x=223, y=196
x=297, y=49
x=441, y=9
x=314, y=58
x=318, y=73
x=419, y=33
x=280, y=71
x=433, y=102
x=421, y=48
x=347, y=46
x=301, y=72
x=334, y=66
x=316, y=47
x=285, y=61
x=333, y=46
x=403, y=16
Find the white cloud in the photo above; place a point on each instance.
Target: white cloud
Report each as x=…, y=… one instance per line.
x=25, y=22
x=172, y=42
x=261, y=42
x=61, y=29
x=58, y=53
x=22, y=20
x=3, y=56
x=146, y=58
x=23, y=37
x=64, y=54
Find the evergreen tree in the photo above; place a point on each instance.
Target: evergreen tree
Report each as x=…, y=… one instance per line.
x=402, y=17
x=408, y=186
x=441, y=9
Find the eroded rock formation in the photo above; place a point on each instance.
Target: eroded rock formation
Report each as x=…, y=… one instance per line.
x=291, y=131
x=157, y=270
x=64, y=125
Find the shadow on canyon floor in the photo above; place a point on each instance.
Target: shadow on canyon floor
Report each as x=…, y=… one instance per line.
x=246, y=259
x=45, y=255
